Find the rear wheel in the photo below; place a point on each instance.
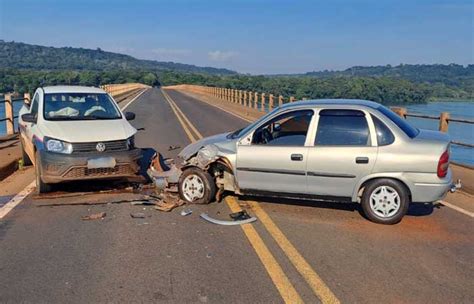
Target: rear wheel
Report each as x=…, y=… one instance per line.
x=196, y=186
x=41, y=187
x=385, y=201
x=24, y=156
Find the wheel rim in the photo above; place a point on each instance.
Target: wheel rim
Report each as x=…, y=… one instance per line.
x=193, y=188
x=384, y=201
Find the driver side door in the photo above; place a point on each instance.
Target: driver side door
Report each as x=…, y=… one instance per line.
x=275, y=160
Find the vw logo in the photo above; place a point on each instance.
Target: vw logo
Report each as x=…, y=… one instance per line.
x=100, y=147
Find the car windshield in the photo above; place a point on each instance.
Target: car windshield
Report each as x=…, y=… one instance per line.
x=79, y=106
x=409, y=130
x=241, y=132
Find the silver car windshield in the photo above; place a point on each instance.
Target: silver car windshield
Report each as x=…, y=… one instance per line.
x=79, y=106
x=241, y=132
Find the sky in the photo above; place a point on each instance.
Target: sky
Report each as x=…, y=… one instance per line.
x=256, y=37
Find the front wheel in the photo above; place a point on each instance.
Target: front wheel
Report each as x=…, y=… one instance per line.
x=385, y=201
x=196, y=186
x=41, y=187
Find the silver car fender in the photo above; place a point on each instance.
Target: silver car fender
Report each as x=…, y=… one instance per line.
x=393, y=175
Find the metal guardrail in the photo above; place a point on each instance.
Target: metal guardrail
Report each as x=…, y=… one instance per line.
x=264, y=102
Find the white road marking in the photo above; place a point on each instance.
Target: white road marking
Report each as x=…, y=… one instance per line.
x=135, y=98
x=28, y=189
x=458, y=209
x=17, y=199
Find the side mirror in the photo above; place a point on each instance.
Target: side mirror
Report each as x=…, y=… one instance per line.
x=28, y=117
x=129, y=115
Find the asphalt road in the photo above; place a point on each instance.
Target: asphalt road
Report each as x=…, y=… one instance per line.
x=48, y=255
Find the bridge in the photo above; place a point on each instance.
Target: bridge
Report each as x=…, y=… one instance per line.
x=297, y=251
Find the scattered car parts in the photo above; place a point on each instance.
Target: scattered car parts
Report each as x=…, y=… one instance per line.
x=206, y=217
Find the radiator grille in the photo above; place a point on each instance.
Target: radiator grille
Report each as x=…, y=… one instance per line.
x=81, y=172
x=116, y=145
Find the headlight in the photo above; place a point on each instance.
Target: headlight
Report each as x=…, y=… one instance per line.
x=58, y=146
x=131, y=142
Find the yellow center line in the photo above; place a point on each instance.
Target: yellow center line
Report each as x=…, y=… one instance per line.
x=171, y=101
x=312, y=278
x=279, y=278
x=183, y=124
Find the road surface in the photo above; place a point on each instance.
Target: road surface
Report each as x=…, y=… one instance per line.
x=298, y=251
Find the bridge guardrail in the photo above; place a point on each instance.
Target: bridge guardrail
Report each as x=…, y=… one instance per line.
x=266, y=102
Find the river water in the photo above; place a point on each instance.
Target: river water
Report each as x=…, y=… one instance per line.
x=458, y=131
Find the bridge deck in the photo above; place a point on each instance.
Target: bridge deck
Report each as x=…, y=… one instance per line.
x=49, y=255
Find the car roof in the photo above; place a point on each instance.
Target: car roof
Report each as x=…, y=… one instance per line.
x=318, y=102
x=72, y=89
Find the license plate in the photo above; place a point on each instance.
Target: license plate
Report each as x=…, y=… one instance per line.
x=101, y=162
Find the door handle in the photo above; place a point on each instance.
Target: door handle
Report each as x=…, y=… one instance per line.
x=297, y=157
x=362, y=160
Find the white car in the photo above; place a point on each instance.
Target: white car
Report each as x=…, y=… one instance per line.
x=76, y=133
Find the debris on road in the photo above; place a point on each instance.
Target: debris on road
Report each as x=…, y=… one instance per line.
x=168, y=203
x=143, y=202
x=171, y=148
x=240, y=215
x=186, y=212
x=206, y=217
x=95, y=216
x=163, y=172
x=137, y=215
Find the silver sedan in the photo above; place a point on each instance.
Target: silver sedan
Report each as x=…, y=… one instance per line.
x=337, y=150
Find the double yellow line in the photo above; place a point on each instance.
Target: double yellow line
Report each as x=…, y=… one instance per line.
x=274, y=270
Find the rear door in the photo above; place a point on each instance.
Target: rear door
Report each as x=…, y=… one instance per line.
x=344, y=151
x=275, y=161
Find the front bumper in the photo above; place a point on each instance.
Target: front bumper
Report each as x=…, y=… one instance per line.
x=56, y=167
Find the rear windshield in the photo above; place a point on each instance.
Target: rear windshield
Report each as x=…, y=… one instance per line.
x=409, y=130
x=79, y=106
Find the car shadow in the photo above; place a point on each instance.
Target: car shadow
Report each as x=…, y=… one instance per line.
x=415, y=209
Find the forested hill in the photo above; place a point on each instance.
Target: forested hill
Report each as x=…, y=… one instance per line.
x=448, y=74
x=17, y=55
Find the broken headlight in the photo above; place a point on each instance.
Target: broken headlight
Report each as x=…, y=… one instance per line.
x=58, y=146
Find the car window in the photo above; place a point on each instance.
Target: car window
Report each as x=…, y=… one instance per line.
x=384, y=135
x=79, y=106
x=409, y=130
x=342, y=128
x=288, y=129
x=34, y=104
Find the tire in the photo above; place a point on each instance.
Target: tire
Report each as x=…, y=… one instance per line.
x=196, y=186
x=24, y=156
x=385, y=201
x=41, y=187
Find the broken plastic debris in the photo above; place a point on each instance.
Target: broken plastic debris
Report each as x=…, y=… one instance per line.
x=239, y=215
x=137, y=215
x=206, y=217
x=144, y=202
x=95, y=216
x=185, y=212
x=171, y=148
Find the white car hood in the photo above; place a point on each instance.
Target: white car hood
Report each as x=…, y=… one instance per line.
x=87, y=130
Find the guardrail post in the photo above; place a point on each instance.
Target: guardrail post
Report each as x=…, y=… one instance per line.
x=402, y=112
x=9, y=114
x=250, y=99
x=280, y=101
x=270, y=102
x=444, y=122
x=240, y=96
x=27, y=98
x=256, y=101
x=263, y=103
x=292, y=99
x=245, y=98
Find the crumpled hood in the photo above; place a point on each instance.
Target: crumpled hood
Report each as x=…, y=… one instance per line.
x=88, y=130
x=193, y=148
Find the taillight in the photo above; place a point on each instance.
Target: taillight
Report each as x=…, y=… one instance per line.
x=443, y=164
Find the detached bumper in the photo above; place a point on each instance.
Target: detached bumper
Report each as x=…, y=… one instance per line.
x=58, y=168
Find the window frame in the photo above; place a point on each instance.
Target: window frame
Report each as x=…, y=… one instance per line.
x=387, y=127
x=309, y=134
x=368, y=118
